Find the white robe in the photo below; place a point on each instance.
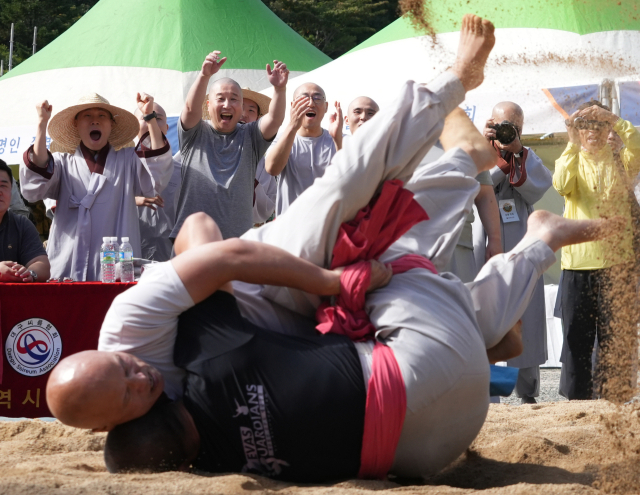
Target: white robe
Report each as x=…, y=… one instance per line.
x=156, y=225
x=537, y=182
x=91, y=206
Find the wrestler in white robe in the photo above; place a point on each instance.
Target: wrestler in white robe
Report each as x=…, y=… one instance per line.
x=536, y=182
x=91, y=206
x=156, y=225
x=438, y=329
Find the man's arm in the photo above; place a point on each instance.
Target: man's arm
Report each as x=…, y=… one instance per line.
x=192, y=112
x=271, y=122
x=278, y=155
x=206, y=268
x=40, y=154
x=490, y=217
x=145, y=105
x=41, y=266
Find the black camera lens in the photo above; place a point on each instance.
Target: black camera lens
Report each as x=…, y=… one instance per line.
x=506, y=132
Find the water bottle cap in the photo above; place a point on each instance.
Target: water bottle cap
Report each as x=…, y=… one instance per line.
x=125, y=239
x=114, y=239
x=106, y=239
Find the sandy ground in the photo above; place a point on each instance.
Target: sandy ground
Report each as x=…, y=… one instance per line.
x=551, y=447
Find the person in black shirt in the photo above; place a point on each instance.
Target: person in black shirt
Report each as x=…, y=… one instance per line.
x=22, y=256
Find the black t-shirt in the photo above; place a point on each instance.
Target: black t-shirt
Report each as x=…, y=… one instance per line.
x=19, y=239
x=287, y=407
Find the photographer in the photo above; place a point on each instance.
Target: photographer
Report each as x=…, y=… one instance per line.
x=595, y=275
x=520, y=179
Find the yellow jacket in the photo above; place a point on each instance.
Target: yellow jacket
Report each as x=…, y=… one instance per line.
x=593, y=187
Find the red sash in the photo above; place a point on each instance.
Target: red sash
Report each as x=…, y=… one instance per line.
x=366, y=237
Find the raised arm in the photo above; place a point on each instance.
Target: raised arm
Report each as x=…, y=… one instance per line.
x=564, y=177
x=192, y=111
x=278, y=154
x=271, y=122
x=145, y=104
x=335, y=126
x=40, y=155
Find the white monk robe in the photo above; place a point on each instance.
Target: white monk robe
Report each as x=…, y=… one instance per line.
x=524, y=187
x=90, y=205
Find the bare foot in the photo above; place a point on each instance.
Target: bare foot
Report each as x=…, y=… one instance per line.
x=509, y=347
x=476, y=42
x=460, y=132
x=556, y=231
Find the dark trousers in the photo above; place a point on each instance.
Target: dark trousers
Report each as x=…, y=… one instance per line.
x=581, y=298
x=587, y=313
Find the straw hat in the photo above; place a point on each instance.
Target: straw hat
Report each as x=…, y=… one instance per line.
x=261, y=100
x=62, y=130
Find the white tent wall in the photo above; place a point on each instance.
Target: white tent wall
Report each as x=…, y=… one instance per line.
x=523, y=63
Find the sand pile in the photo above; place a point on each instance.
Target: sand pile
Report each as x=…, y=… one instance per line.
x=569, y=447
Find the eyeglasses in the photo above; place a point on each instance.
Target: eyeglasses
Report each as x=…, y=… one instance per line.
x=591, y=125
x=315, y=98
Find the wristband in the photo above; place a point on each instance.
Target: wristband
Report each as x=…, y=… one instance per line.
x=150, y=116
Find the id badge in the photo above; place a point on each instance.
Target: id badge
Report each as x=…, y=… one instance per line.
x=508, y=210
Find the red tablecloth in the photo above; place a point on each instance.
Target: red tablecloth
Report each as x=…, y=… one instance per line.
x=39, y=325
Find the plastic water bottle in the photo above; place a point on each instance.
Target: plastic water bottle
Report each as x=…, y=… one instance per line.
x=126, y=261
x=107, y=261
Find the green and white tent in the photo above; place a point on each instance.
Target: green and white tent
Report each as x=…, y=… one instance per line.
x=550, y=55
x=121, y=47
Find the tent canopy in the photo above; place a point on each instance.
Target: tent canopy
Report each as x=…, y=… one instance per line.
x=543, y=48
x=175, y=35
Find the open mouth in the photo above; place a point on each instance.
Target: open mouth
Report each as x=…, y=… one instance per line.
x=310, y=114
x=226, y=117
x=95, y=135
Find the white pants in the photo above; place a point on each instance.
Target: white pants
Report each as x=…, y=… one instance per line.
x=438, y=328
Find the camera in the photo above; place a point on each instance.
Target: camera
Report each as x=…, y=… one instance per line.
x=506, y=132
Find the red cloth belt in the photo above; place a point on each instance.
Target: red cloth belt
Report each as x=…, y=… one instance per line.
x=366, y=237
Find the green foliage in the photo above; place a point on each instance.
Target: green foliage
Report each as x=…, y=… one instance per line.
x=335, y=26
x=52, y=17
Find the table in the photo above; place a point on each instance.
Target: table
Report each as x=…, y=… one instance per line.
x=39, y=325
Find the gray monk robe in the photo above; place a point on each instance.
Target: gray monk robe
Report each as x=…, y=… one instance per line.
x=95, y=197
x=518, y=184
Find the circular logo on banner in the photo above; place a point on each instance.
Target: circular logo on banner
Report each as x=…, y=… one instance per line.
x=33, y=347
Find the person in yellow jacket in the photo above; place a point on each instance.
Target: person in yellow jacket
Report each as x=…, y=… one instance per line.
x=593, y=174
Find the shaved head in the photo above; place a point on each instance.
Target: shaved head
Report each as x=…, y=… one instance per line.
x=507, y=110
x=363, y=101
x=309, y=88
x=360, y=111
x=225, y=105
x=99, y=390
x=225, y=81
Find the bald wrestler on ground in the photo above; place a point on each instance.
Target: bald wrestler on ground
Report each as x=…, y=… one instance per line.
x=238, y=370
